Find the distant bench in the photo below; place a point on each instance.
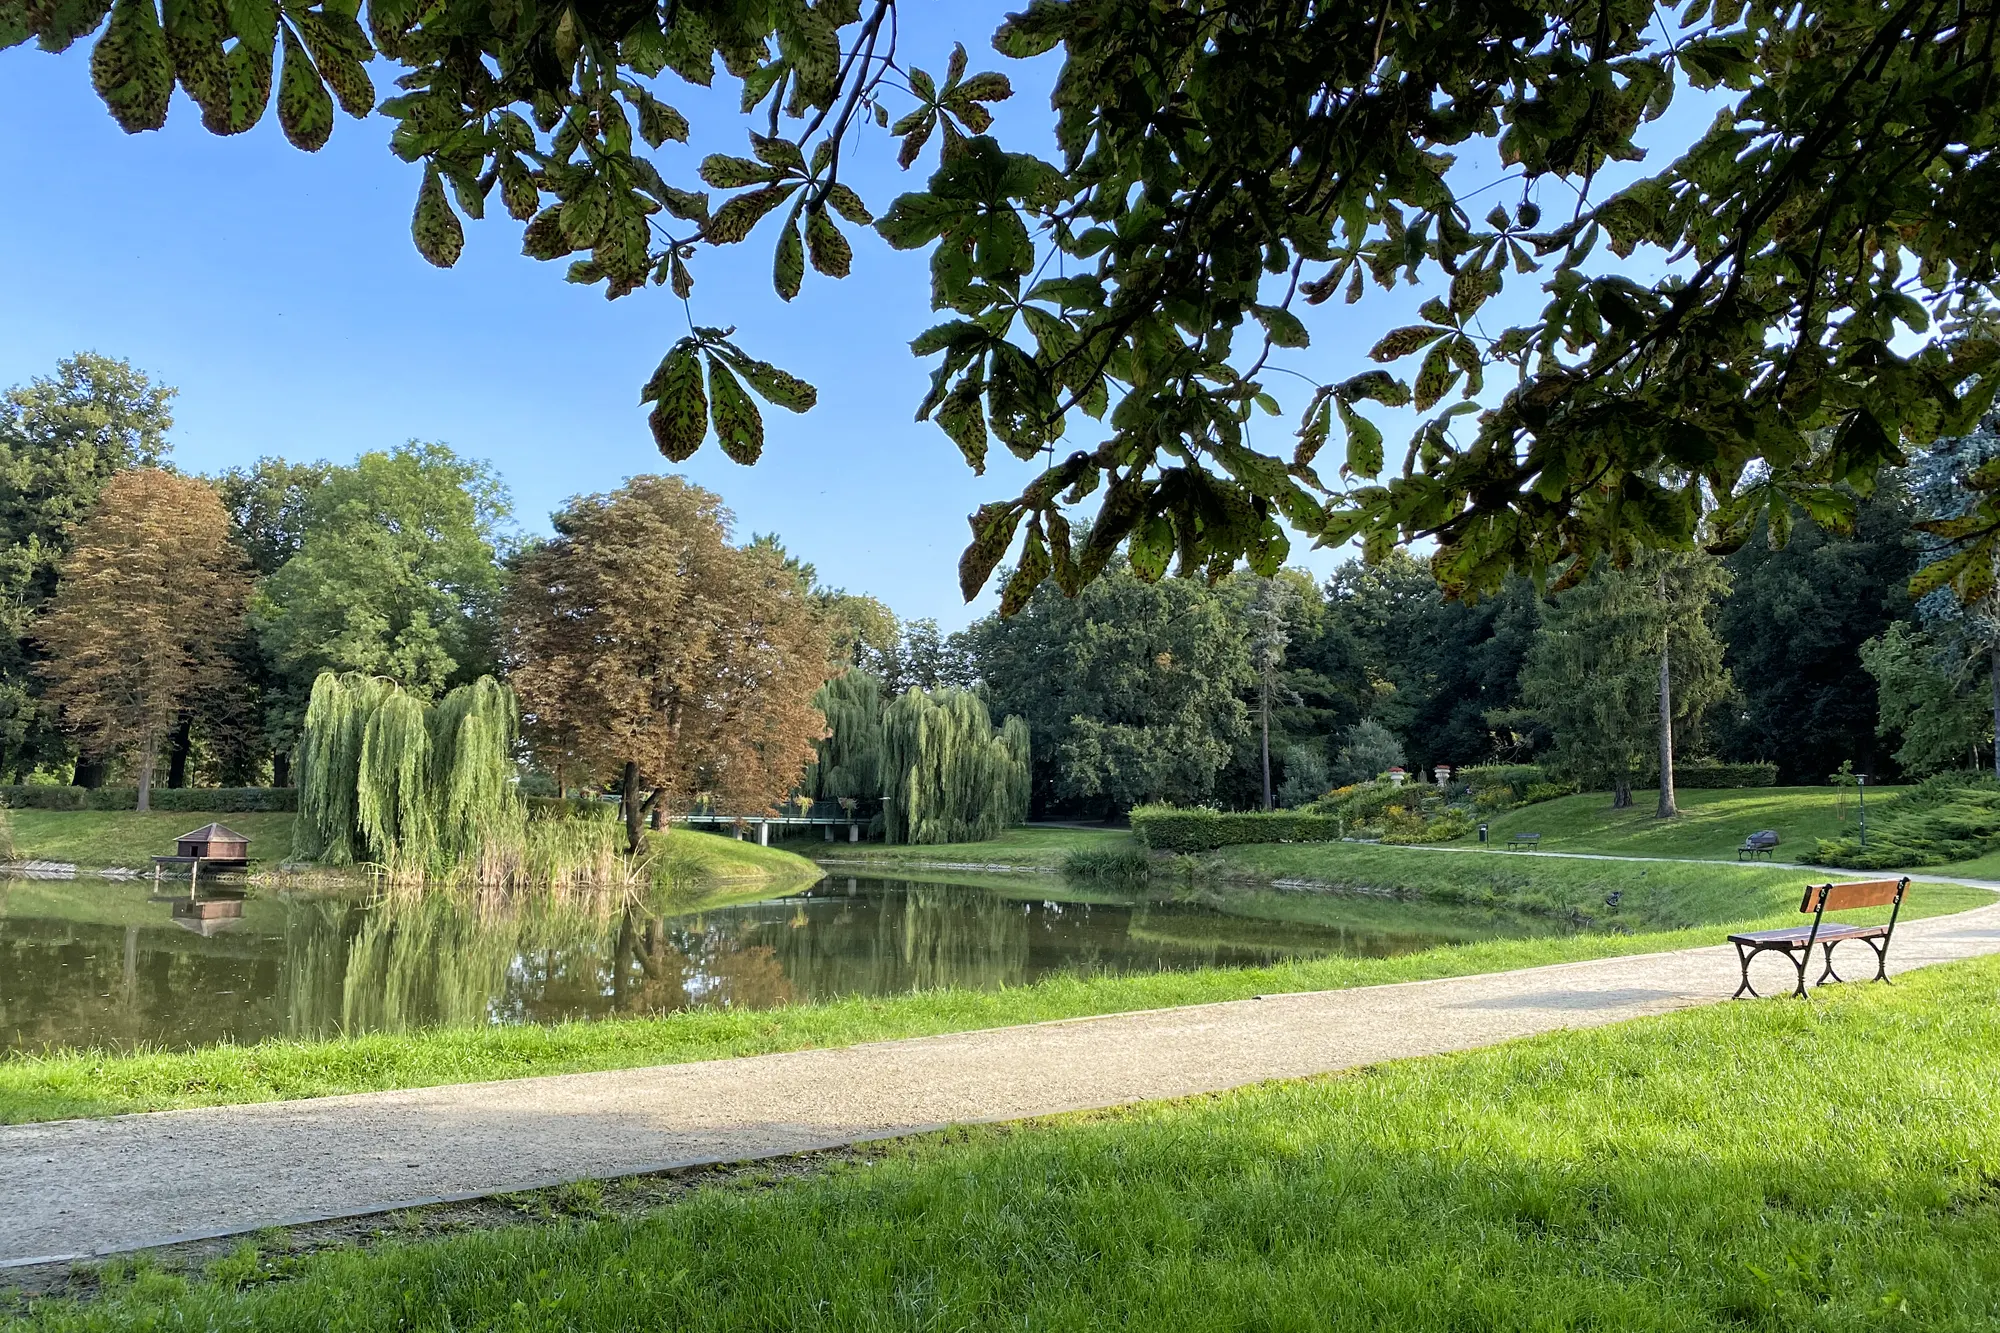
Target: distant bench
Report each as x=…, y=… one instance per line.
x=1758, y=844
x=1524, y=840
x=1796, y=942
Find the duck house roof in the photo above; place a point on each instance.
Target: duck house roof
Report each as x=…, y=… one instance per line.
x=213, y=833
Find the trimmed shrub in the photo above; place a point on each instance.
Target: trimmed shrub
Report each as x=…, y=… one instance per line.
x=1548, y=791
x=1165, y=828
x=1486, y=777
x=1701, y=776
x=1407, y=826
x=1129, y=866
x=1951, y=817
x=187, y=800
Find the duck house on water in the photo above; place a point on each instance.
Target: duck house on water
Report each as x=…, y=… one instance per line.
x=213, y=846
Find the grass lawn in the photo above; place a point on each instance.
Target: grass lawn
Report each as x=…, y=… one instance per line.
x=1027, y=847
x=691, y=855
x=86, y=1083
x=1711, y=826
x=1664, y=895
x=128, y=838
x=1768, y=1166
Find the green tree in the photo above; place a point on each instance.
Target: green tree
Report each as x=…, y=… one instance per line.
x=1218, y=166
x=1927, y=704
x=948, y=774
x=1132, y=691
x=396, y=574
x=139, y=632
x=1621, y=660
x=1445, y=671
x=1369, y=751
x=1792, y=628
x=62, y=438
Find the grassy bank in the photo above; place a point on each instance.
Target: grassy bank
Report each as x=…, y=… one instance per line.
x=54, y=1086
x=1029, y=847
x=1665, y=1174
x=1665, y=895
x=127, y=838
x=1711, y=825
x=686, y=855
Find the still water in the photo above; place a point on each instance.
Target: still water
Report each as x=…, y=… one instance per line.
x=88, y=963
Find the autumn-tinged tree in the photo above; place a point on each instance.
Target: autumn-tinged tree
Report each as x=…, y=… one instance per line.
x=648, y=649
x=149, y=606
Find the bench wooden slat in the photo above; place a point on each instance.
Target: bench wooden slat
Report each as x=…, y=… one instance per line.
x=1844, y=897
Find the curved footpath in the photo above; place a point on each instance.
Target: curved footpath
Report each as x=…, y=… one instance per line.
x=77, y=1188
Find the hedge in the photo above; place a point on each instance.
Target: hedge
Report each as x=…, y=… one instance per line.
x=1725, y=775
x=1166, y=829
x=186, y=800
x=1520, y=777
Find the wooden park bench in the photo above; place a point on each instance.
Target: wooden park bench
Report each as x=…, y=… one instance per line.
x=1796, y=942
x=1524, y=840
x=1758, y=844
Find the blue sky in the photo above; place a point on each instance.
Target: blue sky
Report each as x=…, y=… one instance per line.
x=280, y=293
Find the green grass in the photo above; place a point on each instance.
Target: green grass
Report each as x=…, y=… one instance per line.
x=687, y=854
x=1664, y=895
x=1027, y=848
x=90, y=1083
x=1711, y=825
x=1753, y=1166
x=128, y=838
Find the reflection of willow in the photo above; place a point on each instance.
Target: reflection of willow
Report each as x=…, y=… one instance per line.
x=967, y=937
x=453, y=960
x=667, y=964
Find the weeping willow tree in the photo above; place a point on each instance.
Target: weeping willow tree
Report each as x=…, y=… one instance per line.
x=948, y=775
x=423, y=791
x=850, y=757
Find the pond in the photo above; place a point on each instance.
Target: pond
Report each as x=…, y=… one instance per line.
x=117, y=965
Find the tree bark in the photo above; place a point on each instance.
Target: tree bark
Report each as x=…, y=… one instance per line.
x=1993, y=672
x=147, y=756
x=1667, y=807
x=281, y=769
x=1621, y=792
x=177, y=757
x=1266, y=709
x=628, y=799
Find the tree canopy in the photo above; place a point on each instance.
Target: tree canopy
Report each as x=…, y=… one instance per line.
x=62, y=437
x=395, y=572
x=142, y=624
x=650, y=651
x=1792, y=297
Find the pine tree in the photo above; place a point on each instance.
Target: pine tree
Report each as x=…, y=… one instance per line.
x=146, y=613
x=1622, y=658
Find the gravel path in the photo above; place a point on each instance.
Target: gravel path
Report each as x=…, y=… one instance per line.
x=77, y=1188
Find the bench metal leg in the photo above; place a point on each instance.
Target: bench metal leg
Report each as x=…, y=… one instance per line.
x=1881, y=948
x=1829, y=974
x=1744, y=953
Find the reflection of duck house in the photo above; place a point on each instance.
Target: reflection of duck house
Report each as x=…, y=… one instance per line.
x=211, y=847
x=205, y=916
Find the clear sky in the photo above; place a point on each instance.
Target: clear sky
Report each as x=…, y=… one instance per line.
x=280, y=293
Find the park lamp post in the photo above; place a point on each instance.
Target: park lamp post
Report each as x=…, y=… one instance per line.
x=1861, y=801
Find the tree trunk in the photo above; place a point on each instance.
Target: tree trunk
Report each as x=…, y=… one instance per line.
x=1266, y=710
x=281, y=769
x=1621, y=792
x=628, y=798
x=177, y=757
x=1667, y=807
x=147, y=756
x=1993, y=673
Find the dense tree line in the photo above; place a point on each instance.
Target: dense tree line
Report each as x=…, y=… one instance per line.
x=173, y=628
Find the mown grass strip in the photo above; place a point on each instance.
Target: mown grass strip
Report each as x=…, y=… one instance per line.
x=93, y=1083
x=1767, y=1165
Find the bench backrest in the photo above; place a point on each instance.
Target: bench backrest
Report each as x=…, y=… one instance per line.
x=1863, y=893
